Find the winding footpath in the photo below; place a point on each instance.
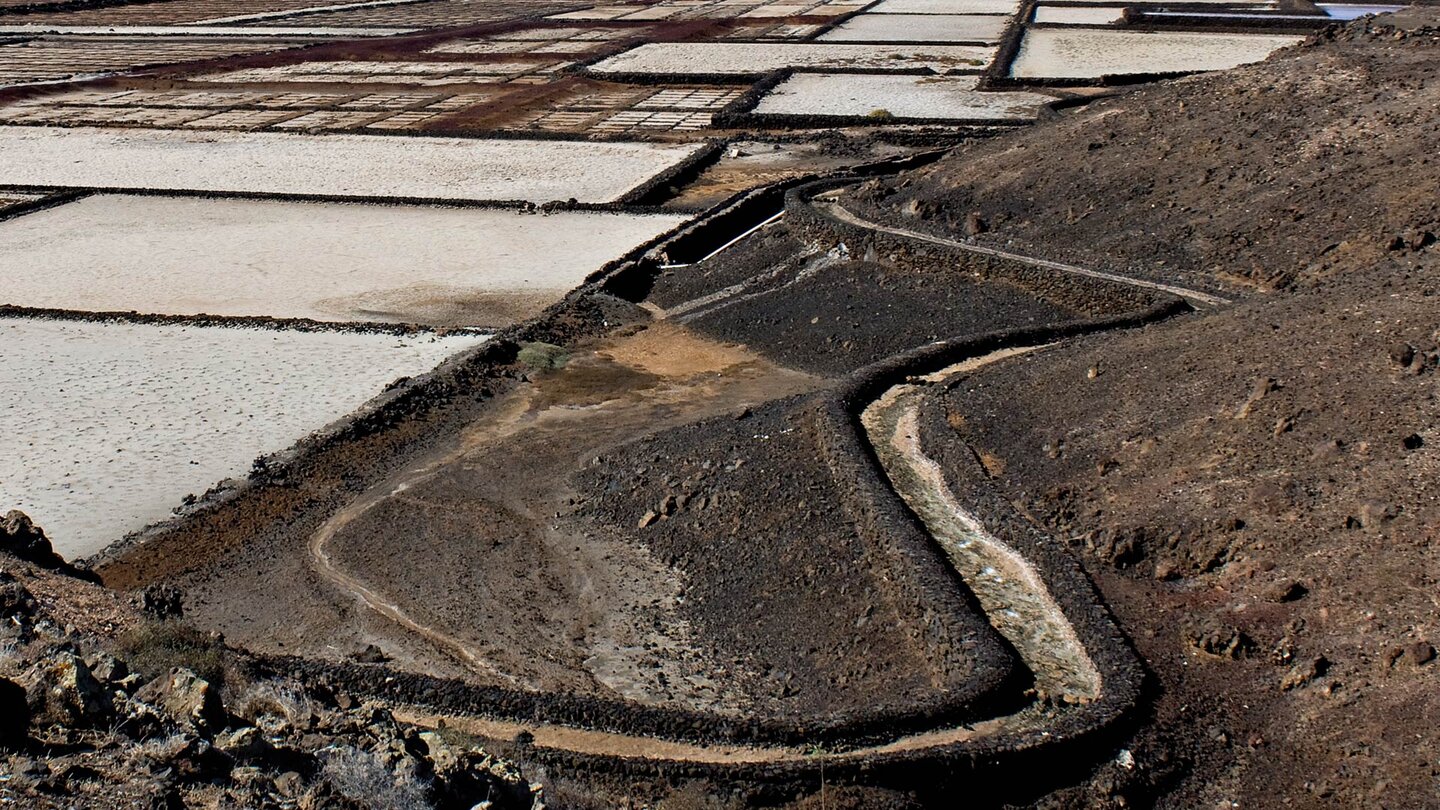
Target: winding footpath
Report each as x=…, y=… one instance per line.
x=843, y=214
x=1010, y=590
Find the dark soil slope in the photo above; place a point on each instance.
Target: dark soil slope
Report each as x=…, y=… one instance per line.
x=1254, y=488
x=1261, y=486
x=785, y=594
x=1320, y=160
x=821, y=309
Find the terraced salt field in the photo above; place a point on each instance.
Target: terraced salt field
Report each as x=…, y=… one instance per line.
x=1079, y=15
x=285, y=163
x=890, y=97
x=745, y=58
x=919, y=28
x=107, y=426
x=1091, y=54
x=945, y=7
x=323, y=261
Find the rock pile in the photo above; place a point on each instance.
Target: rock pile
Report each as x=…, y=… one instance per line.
x=79, y=726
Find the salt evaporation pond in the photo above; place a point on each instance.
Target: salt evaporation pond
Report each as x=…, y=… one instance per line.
x=107, y=426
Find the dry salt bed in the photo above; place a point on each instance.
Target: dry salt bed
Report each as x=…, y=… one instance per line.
x=107, y=426
x=1052, y=53
x=1079, y=15
x=432, y=14
x=748, y=59
x=1006, y=7
x=323, y=261
x=426, y=74
x=54, y=59
x=270, y=15
x=171, y=12
x=903, y=97
x=197, y=31
x=919, y=28
x=329, y=165
x=715, y=10
x=239, y=109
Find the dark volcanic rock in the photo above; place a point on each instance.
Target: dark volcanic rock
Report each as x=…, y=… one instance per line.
x=21, y=537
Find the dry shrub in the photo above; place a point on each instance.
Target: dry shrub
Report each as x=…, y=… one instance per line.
x=362, y=778
x=542, y=356
x=153, y=648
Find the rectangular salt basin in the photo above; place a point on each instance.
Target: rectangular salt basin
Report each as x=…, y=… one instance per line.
x=333, y=165
x=945, y=7
x=35, y=29
x=1079, y=15
x=323, y=261
x=107, y=426
x=1050, y=53
x=918, y=97
x=749, y=58
x=919, y=28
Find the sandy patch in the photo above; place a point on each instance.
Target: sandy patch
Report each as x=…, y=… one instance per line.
x=108, y=426
x=919, y=28
x=746, y=58
x=1061, y=54
x=928, y=97
x=325, y=261
x=333, y=165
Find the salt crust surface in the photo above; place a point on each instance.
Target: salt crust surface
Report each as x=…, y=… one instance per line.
x=107, y=426
x=945, y=7
x=332, y=165
x=1076, y=15
x=1088, y=54
x=919, y=28
x=324, y=261
x=749, y=58
x=928, y=97
x=193, y=31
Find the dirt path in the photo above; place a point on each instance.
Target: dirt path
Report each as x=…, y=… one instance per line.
x=842, y=214
x=1010, y=590
x=506, y=422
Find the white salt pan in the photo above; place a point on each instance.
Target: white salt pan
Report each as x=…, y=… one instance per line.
x=332, y=165
x=1051, y=53
x=747, y=58
x=926, y=97
x=919, y=28
x=108, y=426
x=324, y=261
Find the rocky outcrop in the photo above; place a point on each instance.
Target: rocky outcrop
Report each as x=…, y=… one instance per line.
x=76, y=721
x=20, y=537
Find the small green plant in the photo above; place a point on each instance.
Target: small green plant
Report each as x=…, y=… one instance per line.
x=542, y=356
x=879, y=114
x=153, y=648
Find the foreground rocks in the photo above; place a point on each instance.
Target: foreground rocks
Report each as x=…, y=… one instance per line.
x=81, y=727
